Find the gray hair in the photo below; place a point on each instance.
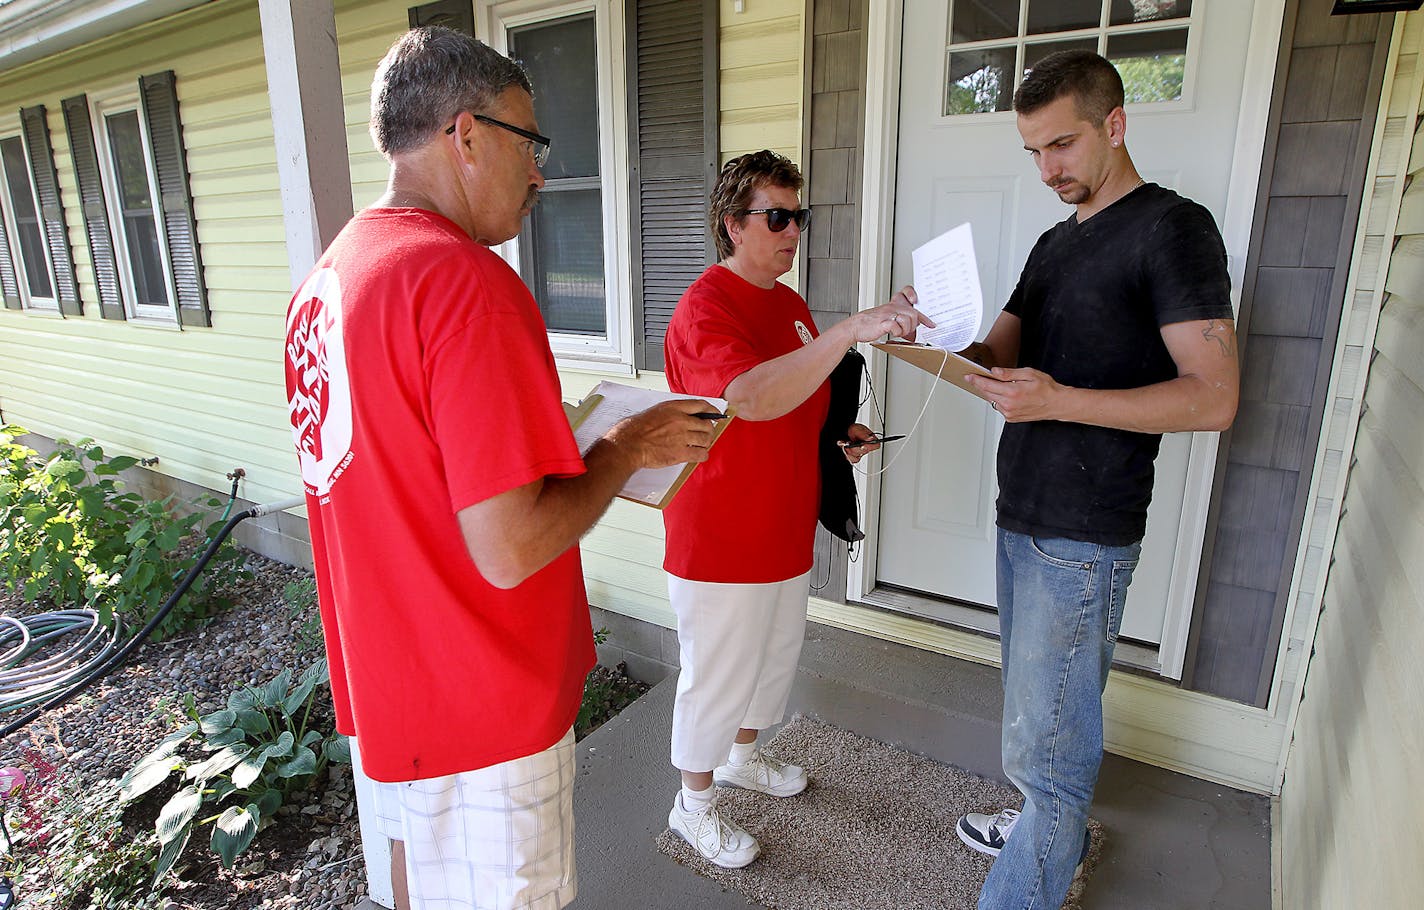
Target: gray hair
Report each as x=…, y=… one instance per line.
x=429, y=77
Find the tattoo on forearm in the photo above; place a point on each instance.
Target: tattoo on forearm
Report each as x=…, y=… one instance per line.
x=1221, y=333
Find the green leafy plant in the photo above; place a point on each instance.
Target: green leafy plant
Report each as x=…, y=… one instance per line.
x=261, y=753
x=73, y=835
x=300, y=598
x=605, y=693
x=70, y=534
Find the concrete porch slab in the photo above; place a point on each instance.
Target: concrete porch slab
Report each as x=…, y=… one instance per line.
x=1174, y=842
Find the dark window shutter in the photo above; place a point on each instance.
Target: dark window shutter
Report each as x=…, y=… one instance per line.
x=36, y=127
x=159, y=93
x=672, y=86
x=96, y=213
x=9, y=283
x=453, y=14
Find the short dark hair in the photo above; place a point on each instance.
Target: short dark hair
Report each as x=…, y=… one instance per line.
x=739, y=180
x=427, y=78
x=1093, y=82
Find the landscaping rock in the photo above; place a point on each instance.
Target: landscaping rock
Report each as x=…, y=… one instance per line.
x=134, y=707
x=310, y=857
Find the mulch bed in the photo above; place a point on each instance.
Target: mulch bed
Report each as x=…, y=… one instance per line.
x=311, y=857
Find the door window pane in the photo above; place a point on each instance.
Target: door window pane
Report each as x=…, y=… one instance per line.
x=565, y=232
x=977, y=20
x=1063, y=15
x=1145, y=39
x=27, y=218
x=136, y=208
x=559, y=57
x=1036, y=52
x=1152, y=64
x=1127, y=11
x=980, y=81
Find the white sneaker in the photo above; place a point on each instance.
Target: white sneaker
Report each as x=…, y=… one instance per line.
x=763, y=774
x=717, y=840
x=989, y=833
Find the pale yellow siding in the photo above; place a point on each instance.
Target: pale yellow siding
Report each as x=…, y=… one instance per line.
x=1351, y=803
x=760, y=54
x=202, y=400
x=365, y=30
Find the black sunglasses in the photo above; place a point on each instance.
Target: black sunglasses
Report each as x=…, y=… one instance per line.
x=778, y=219
x=541, y=144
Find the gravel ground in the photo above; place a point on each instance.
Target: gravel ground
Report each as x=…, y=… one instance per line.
x=311, y=857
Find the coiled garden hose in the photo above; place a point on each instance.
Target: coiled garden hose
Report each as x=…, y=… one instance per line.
x=100, y=667
x=24, y=684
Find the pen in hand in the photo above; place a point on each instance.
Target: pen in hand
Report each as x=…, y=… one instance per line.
x=857, y=443
x=710, y=415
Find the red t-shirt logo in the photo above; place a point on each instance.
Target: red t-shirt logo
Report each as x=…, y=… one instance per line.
x=306, y=352
x=318, y=388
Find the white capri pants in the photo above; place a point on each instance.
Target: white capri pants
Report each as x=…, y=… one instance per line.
x=499, y=838
x=738, y=645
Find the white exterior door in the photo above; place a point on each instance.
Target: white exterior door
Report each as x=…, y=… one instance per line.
x=960, y=158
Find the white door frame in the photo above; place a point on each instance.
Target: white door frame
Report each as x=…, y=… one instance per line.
x=882, y=103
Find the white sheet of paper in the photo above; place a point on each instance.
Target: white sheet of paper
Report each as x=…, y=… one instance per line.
x=620, y=401
x=947, y=285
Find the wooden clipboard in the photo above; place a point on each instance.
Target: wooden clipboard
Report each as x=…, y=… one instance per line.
x=947, y=365
x=653, y=487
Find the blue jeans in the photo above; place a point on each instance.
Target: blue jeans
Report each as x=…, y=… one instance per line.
x=1060, y=607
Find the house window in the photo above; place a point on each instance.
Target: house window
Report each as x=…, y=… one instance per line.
x=125, y=157
x=567, y=252
x=133, y=192
x=993, y=43
x=25, y=228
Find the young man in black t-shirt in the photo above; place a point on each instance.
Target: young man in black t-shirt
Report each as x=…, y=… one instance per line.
x=1120, y=330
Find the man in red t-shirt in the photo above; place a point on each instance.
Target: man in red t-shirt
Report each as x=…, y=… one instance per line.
x=445, y=492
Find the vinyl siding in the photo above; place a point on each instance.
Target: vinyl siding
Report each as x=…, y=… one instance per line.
x=365, y=30
x=202, y=400
x=1358, y=746
x=760, y=52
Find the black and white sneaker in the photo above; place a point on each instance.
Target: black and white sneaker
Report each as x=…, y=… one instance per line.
x=989, y=833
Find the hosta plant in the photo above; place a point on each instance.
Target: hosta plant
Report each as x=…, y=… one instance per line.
x=259, y=751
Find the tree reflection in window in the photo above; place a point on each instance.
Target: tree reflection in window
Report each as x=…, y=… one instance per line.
x=992, y=43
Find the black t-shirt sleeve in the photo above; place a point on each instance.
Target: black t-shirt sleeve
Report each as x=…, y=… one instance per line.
x=1185, y=267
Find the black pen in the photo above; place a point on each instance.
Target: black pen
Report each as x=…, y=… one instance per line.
x=857, y=443
x=710, y=415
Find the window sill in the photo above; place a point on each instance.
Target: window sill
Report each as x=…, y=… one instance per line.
x=40, y=312
x=582, y=363
x=594, y=362
x=154, y=322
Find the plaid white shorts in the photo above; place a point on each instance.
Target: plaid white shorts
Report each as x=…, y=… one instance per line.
x=499, y=838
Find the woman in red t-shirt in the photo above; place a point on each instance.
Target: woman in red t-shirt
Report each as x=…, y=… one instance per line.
x=740, y=532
